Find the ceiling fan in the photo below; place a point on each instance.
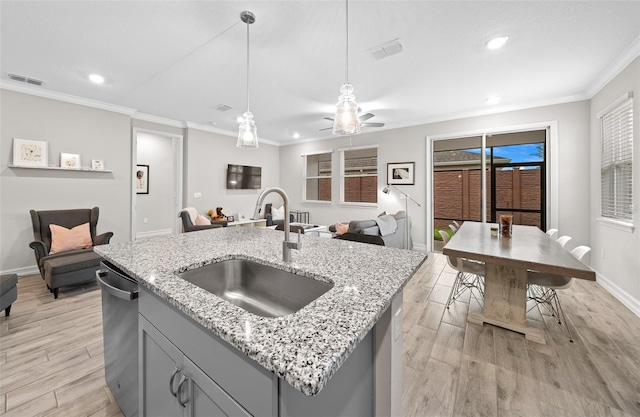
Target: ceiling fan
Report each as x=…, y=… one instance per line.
x=363, y=119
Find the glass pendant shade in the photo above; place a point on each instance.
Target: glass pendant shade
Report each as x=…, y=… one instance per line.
x=346, y=121
x=248, y=133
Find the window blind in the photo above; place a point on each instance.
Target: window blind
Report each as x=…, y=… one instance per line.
x=617, y=162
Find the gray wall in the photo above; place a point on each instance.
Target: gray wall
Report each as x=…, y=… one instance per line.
x=205, y=166
x=409, y=144
x=616, y=253
x=72, y=128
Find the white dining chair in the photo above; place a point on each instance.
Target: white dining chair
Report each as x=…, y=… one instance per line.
x=563, y=240
x=470, y=275
x=542, y=287
x=552, y=233
x=456, y=224
x=453, y=228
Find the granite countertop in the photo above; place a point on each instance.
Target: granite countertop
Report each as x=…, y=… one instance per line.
x=305, y=348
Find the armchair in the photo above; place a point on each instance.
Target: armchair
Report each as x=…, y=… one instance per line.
x=269, y=216
x=69, y=267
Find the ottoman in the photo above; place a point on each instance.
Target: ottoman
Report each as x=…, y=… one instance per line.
x=72, y=269
x=8, y=292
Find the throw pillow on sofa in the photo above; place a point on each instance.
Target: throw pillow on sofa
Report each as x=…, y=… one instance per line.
x=63, y=239
x=202, y=221
x=342, y=228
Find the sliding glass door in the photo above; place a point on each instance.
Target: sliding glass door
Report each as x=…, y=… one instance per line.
x=509, y=177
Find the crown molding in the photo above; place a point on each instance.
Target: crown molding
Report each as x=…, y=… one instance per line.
x=630, y=53
x=233, y=134
x=68, y=98
x=157, y=119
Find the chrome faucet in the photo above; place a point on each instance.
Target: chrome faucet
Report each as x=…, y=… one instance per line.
x=286, y=245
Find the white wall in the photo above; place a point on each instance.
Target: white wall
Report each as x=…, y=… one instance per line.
x=72, y=128
x=205, y=166
x=616, y=253
x=409, y=144
x=157, y=206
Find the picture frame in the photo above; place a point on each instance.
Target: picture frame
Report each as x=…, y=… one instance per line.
x=30, y=153
x=142, y=179
x=401, y=173
x=69, y=160
x=230, y=219
x=97, y=164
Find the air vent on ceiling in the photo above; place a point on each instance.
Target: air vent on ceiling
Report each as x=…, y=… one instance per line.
x=223, y=107
x=387, y=49
x=25, y=79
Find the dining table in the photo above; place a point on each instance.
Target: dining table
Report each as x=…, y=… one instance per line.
x=507, y=261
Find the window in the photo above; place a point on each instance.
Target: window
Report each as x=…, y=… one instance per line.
x=617, y=162
x=317, y=184
x=359, y=168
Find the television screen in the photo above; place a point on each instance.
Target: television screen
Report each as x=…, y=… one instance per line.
x=243, y=177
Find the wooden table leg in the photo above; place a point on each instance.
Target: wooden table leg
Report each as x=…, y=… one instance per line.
x=505, y=301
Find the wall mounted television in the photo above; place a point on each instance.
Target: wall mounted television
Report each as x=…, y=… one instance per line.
x=243, y=177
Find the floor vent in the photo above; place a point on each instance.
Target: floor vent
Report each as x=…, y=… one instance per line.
x=24, y=79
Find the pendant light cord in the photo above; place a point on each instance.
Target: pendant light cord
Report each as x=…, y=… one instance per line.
x=346, y=69
x=247, y=66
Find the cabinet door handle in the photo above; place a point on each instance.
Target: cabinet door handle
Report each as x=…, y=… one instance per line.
x=179, y=391
x=173, y=376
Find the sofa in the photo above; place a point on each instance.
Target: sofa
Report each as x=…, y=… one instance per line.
x=188, y=225
x=387, y=229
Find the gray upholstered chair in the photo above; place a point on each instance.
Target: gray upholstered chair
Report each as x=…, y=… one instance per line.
x=70, y=267
x=269, y=216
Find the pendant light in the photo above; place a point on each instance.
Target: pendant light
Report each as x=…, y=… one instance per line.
x=346, y=121
x=247, y=133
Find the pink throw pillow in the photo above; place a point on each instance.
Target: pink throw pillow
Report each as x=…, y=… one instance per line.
x=63, y=239
x=342, y=228
x=201, y=220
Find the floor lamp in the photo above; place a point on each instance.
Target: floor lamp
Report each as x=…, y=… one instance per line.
x=387, y=190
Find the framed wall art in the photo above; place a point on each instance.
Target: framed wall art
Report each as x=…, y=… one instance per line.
x=69, y=160
x=142, y=179
x=401, y=173
x=97, y=164
x=30, y=153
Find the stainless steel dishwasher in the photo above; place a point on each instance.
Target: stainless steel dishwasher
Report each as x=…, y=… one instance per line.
x=120, y=334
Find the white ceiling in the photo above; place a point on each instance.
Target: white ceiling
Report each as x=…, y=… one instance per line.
x=180, y=59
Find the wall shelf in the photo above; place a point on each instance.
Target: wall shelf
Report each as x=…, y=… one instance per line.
x=61, y=169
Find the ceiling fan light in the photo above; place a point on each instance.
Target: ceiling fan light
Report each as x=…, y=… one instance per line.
x=346, y=121
x=247, y=133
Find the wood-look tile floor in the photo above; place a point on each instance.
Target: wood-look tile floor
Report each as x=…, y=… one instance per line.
x=52, y=364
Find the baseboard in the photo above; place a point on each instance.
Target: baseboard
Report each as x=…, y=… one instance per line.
x=421, y=247
x=26, y=270
x=619, y=293
x=154, y=233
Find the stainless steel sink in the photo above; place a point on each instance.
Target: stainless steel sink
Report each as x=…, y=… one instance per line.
x=258, y=289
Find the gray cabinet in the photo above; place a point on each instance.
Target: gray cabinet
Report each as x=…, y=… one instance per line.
x=173, y=385
x=218, y=379
x=160, y=365
x=186, y=370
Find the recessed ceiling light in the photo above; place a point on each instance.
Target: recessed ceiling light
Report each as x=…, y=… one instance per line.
x=493, y=100
x=296, y=135
x=96, y=78
x=497, y=43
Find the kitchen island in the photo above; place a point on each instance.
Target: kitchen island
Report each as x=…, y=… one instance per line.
x=304, y=349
